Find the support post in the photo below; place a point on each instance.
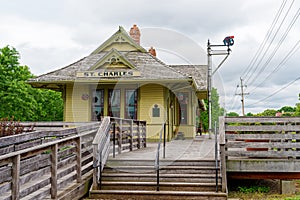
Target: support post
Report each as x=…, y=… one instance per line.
x=54, y=162
x=114, y=139
x=16, y=177
x=78, y=160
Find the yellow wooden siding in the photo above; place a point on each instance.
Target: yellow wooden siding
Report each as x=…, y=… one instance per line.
x=120, y=47
x=76, y=108
x=151, y=95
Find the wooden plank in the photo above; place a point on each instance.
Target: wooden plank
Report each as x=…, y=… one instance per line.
x=262, y=136
x=260, y=128
x=264, y=175
x=222, y=130
x=54, y=161
x=16, y=177
x=78, y=160
x=262, y=119
x=279, y=145
x=263, y=154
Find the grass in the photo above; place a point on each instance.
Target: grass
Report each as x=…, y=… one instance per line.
x=259, y=190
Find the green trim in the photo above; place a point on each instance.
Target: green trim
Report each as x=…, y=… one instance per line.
x=107, y=59
x=121, y=36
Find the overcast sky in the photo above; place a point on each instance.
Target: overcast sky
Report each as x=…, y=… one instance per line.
x=52, y=34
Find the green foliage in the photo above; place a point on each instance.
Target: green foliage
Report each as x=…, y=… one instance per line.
x=297, y=111
x=252, y=189
x=18, y=98
x=216, y=110
x=268, y=113
x=249, y=114
x=232, y=114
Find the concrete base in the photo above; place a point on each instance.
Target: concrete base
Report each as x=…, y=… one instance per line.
x=287, y=187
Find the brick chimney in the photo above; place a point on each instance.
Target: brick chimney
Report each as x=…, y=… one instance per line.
x=135, y=33
x=152, y=51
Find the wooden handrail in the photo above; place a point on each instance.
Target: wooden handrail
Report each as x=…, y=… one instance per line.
x=41, y=155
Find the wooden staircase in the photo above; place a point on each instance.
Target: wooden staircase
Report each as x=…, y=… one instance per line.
x=179, y=179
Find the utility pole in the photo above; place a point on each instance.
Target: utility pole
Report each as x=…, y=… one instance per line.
x=242, y=94
x=228, y=41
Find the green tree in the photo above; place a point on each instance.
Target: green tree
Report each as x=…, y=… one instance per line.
x=217, y=110
x=297, y=111
x=15, y=100
x=268, y=113
x=232, y=114
x=18, y=98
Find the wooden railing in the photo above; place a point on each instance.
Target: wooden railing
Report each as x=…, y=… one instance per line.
x=268, y=138
x=130, y=134
x=47, y=162
x=115, y=136
x=101, y=147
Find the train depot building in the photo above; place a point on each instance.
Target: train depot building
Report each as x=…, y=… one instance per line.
x=122, y=79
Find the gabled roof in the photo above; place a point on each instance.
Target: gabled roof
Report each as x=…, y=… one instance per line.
x=113, y=57
x=128, y=56
x=120, y=36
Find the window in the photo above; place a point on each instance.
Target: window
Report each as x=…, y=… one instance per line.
x=183, y=99
x=97, y=105
x=114, y=103
x=131, y=104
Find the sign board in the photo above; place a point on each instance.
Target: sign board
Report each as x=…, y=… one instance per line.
x=94, y=74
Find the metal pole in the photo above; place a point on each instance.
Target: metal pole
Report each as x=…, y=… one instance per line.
x=209, y=88
x=164, y=140
x=114, y=139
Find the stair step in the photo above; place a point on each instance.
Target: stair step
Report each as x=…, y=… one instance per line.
x=206, y=178
x=156, y=195
x=113, y=162
x=163, y=169
x=164, y=186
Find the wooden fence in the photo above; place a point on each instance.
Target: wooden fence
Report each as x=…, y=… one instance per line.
x=115, y=136
x=260, y=145
x=129, y=134
x=43, y=164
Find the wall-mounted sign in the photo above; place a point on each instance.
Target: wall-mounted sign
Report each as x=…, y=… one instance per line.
x=155, y=111
x=91, y=74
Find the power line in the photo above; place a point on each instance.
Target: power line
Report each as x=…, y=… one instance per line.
x=269, y=45
x=262, y=45
x=278, y=45
x=285, y=59
x=276, y=92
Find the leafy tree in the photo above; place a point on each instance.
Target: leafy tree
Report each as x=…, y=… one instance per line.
x=268, y=113
x=18, y=98
x=232, y=114
x=216, y=110
x=15, y=100
x=249, y=114
x=297, y=111
x=287, y=109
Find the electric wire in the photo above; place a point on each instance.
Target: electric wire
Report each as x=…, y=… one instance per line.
x=295, y=48
x=268, y=47
x=276, y=92
x=277, y=47
x=262, y=45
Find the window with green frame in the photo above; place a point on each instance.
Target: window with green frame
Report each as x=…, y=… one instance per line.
x=98, y=105
x=114, y=97
x=183, y=99
x=130, y=104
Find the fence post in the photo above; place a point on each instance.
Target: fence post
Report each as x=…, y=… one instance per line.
x=114, y=139
x=120, y=137
x=139, y=135
x=78, y=159
x=131, y=135
x=54, y=162
x=222, y=152
x=16, y=177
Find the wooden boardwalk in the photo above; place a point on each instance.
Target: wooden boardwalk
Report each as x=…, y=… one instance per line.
x=200, y=148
